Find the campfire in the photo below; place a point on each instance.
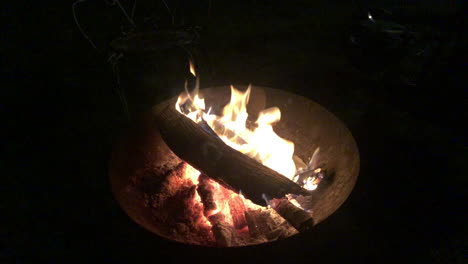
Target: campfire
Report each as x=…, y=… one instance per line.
x=226, y=167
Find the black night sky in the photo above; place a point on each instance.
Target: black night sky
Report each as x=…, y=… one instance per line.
x=397, y=81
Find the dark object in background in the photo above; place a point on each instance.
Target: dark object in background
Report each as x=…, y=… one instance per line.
x=155, y=65
x=151, y=52
x=400, y=49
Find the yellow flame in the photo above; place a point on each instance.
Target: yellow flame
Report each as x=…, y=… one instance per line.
x=260, y=143
x=192, y=68
x=258, y=140
x=193, y=175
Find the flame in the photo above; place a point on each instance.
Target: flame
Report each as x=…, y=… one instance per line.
x=256, y=139
x=221, y=198
x=192, y=68
x=193, y=175
x=260, y=143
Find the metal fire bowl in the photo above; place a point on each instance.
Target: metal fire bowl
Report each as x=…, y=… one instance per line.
x=142, y=151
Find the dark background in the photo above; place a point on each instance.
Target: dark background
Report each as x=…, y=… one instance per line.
x=62, y=115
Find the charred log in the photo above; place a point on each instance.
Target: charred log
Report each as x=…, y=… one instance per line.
x=212, y=157
x=267, y=225
x=206, y=192
x=223, y=232
x=297, y=217
x=260, y=222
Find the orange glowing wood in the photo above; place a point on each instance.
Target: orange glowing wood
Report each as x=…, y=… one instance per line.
x=211, y=156
x=237, y=208
x=206, y=192
x=223, y=232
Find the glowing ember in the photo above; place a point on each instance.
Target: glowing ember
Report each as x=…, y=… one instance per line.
x=192, y=174
x=186, y=195
x=221, y=196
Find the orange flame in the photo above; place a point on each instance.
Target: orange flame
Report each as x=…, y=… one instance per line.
x=261, y=143
x=192, y=68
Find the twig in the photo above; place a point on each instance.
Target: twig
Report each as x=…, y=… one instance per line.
x=130, y=20
x=169, y=10
x=78, y=24
x=115, y=68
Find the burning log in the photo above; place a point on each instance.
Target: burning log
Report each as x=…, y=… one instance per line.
x=237, y=208
x=211, y=156
x=297, y=217
x=223, y=230
x=206, y=192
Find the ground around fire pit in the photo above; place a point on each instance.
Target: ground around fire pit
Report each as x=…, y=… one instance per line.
x=62, y=118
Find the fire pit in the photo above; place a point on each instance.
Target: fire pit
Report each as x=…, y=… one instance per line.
x=233, y=200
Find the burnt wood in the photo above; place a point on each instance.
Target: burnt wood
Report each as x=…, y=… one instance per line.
x=260, y=222
x=263, y=225
x=212, y=157
x=205, y=190
x=237, y=208
x=223, y=233
x=297, y=217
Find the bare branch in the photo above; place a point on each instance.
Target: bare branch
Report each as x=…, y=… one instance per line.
x=169, y=10
x=130, y=20
x=78, y=24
